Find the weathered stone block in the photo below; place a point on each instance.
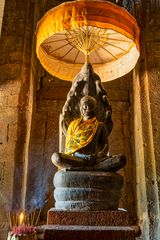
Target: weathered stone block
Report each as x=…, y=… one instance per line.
x=126, y=116
x=126, y=131
x=112, y=84
x=3, y=100
x=13, y=100
x=119, y=106
x=12, y=132
x=15, y=57
x=126, y=82
x=10, y=44
x=3, y=132
x=2, y=165
x=88, y=233
x=9, y=115
x=118, y=95
x=3, y=228
x=88, y=218
x=10, y=72
x=53, y=107
x=13, y=28
x=54, y=93
x=116, y=144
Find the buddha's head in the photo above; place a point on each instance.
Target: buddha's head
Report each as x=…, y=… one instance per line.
x=88, y=106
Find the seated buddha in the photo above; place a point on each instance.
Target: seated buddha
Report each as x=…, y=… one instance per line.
x=86, y=147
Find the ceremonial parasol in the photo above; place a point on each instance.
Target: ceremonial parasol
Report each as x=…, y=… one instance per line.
x=98, y=32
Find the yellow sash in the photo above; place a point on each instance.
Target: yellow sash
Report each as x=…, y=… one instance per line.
x=79, y=134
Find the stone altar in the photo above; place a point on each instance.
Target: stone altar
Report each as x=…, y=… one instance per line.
x=88, y=225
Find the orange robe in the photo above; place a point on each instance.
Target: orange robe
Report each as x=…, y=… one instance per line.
x=80, y=134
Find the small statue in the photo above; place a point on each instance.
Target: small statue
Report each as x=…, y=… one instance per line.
x=86, y=147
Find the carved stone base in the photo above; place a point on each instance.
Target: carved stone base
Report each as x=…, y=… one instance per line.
x=88, y=225
x=57, y=232
x=87, y=190
x=81, y=208
x=88, y=218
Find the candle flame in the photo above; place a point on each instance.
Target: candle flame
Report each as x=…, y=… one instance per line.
x=21, y=218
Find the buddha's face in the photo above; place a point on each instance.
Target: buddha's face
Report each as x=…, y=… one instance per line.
x=87, y=109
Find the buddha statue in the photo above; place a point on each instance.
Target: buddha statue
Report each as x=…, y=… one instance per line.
x=86, y=178
x=86, y=147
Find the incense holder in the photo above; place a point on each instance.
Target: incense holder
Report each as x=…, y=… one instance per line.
x=12, y=236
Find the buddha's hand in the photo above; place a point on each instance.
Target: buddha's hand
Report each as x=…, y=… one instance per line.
x=90, y=160
x=103, y=152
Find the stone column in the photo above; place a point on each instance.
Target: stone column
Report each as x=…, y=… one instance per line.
x=2, y=3
x=146, y=120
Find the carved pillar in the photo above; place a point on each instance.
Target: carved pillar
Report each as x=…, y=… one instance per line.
x=146, y=167
x=2, y=3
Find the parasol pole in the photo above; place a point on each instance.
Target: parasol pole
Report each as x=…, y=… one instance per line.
x=86, y=57
x=87, y=52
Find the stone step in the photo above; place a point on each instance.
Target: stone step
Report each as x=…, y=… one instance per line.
x=88, y=218
x=65, y=232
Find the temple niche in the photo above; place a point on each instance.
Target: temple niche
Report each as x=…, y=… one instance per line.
x=30, y=104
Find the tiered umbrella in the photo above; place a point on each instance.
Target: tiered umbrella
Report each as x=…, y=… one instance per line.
x=98, y=32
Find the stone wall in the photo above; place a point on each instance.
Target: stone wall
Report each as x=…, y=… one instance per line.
x=146, y=98
x=17, y=76
x=121, y=139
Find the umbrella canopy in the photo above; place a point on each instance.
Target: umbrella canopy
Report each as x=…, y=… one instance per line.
x=98, y=32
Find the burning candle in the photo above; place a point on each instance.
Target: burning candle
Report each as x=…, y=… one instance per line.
x=21, y=218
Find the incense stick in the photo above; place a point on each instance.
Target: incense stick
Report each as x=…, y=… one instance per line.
x=13, y=218
x=38, y=216
x=10, y=220
x=33, y=217
x=17, y=216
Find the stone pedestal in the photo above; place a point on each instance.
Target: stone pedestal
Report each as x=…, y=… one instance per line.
x=86, y=206
x=88, y=233
x=88, y=225
x=87, y=190
x=88, y=218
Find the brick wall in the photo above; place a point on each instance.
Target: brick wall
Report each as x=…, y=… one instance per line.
x=16, y=93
